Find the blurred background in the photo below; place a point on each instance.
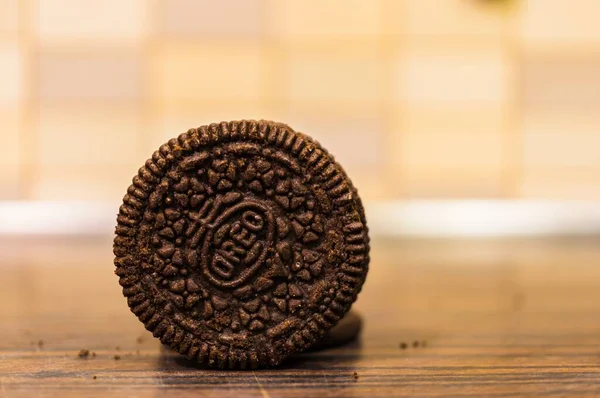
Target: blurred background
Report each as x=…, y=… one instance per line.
x=451, y=116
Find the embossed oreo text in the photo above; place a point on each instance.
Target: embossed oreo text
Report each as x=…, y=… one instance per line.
x=235, y=244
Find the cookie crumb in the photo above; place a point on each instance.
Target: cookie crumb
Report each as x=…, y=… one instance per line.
x=415, y=344
x=84, y=354
x=403, y=345
x=95, y=377
x=40, y=343
x=355, y=376
x=117, y=357
x=139, y=340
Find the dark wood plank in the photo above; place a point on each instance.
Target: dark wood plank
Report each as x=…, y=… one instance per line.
x=491, y=318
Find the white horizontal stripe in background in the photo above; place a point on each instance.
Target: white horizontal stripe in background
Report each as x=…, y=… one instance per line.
x=422, y=218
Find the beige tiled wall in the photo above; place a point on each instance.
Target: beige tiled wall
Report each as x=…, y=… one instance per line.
x=417, y=98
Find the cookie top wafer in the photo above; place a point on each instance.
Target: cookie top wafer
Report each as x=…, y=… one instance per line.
x=241, y=243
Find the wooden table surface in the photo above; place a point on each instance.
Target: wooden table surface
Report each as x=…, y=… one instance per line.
x=491, y=318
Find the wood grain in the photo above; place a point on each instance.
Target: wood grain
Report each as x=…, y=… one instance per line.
x=491, y=318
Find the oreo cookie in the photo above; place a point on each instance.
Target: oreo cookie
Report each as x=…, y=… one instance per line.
x=240, y=244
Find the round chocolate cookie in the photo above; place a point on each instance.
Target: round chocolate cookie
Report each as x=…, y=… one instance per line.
x=241, y=243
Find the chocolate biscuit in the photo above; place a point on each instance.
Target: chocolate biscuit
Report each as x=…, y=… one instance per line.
x=241, y=243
